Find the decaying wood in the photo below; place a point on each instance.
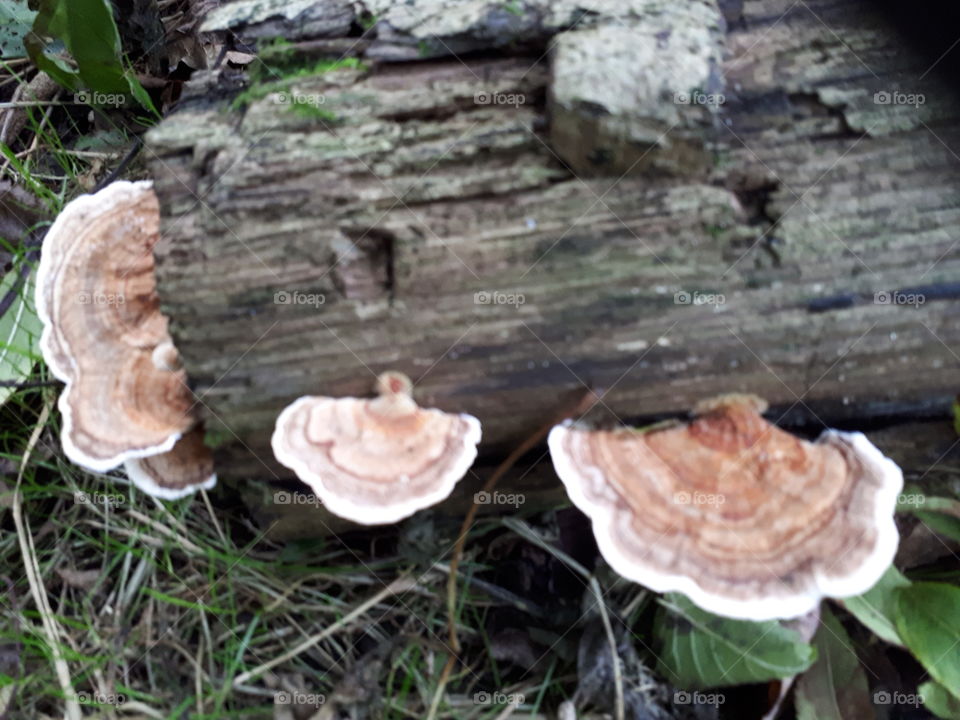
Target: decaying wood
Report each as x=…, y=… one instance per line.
x=386, y=217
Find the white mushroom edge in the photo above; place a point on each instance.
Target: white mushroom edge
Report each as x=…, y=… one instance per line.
x=78, y=210
x=368, y=514
x=759, y=609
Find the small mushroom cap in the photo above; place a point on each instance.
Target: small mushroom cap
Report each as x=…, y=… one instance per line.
x=181, y=471
x=745, y=519
x=376, y=461
x=97, y=299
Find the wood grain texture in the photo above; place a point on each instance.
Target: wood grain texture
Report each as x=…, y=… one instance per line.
x=406, y=205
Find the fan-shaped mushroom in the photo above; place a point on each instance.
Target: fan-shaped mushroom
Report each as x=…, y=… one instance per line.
x=104, y=336
x=742, y=517
x=376, y=461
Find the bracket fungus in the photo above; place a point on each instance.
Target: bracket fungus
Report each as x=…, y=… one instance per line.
x=745, y=519
x=125, y=396
x=380, y=460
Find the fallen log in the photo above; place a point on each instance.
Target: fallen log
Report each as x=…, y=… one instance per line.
x=461, y=197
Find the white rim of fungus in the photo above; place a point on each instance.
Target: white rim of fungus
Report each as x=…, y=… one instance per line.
x=345, y=507
x=775, y=607
x=76, y=211
x=139, y=477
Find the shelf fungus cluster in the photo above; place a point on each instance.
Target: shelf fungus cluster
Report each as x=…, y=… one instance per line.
x=376, y=461
x=125, y=399
x=745, y=519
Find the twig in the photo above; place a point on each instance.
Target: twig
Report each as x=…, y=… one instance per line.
x=614, y=655
x=213, y=518
x=401, y=584
x=528, y=533
x=35, y=579
x=584, y=402
x=127, y=159
x=17, y=385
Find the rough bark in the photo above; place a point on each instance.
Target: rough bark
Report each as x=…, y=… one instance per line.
x=447, y=239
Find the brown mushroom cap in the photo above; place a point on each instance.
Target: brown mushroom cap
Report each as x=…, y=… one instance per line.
x=97, y=299
x=742, y=517
x=186, y=468
x=376, y=461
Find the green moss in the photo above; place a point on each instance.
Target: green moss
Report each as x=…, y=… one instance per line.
x=266, y=79
x=215, y=437
x=309, y=110
x=514, y=7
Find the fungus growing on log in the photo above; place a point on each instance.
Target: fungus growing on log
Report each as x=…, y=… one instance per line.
x=126, y=396
x=380, y=460
x=744, y=518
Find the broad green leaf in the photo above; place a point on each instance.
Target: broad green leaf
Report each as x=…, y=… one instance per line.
x=89, y=33
x=939, y=701
x=19, y=334
x=940, y=514
x=835, y=688
x=15, y=21
x=928, y=620
x=701, y=650
x=876, y=608
x=946, y=525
